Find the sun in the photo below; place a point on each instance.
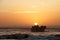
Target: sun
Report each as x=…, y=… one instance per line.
x=35, y=23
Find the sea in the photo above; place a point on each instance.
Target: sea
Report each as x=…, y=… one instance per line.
x=28, y=31
x=8, y=31
x=34, y=35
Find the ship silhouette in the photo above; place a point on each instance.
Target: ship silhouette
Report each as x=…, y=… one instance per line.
x=37, y=28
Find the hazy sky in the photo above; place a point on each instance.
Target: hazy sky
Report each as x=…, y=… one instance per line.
x=27, y=12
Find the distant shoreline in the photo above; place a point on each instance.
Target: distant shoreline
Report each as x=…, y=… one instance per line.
x=27, y=28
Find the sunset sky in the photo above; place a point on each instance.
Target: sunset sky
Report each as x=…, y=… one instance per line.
x=25, y=13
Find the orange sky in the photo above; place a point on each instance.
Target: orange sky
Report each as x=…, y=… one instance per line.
x=27, y=12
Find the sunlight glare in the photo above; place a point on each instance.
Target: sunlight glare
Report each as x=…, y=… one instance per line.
x=35, y=23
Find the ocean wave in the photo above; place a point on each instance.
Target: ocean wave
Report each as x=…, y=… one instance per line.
x=31, y=37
